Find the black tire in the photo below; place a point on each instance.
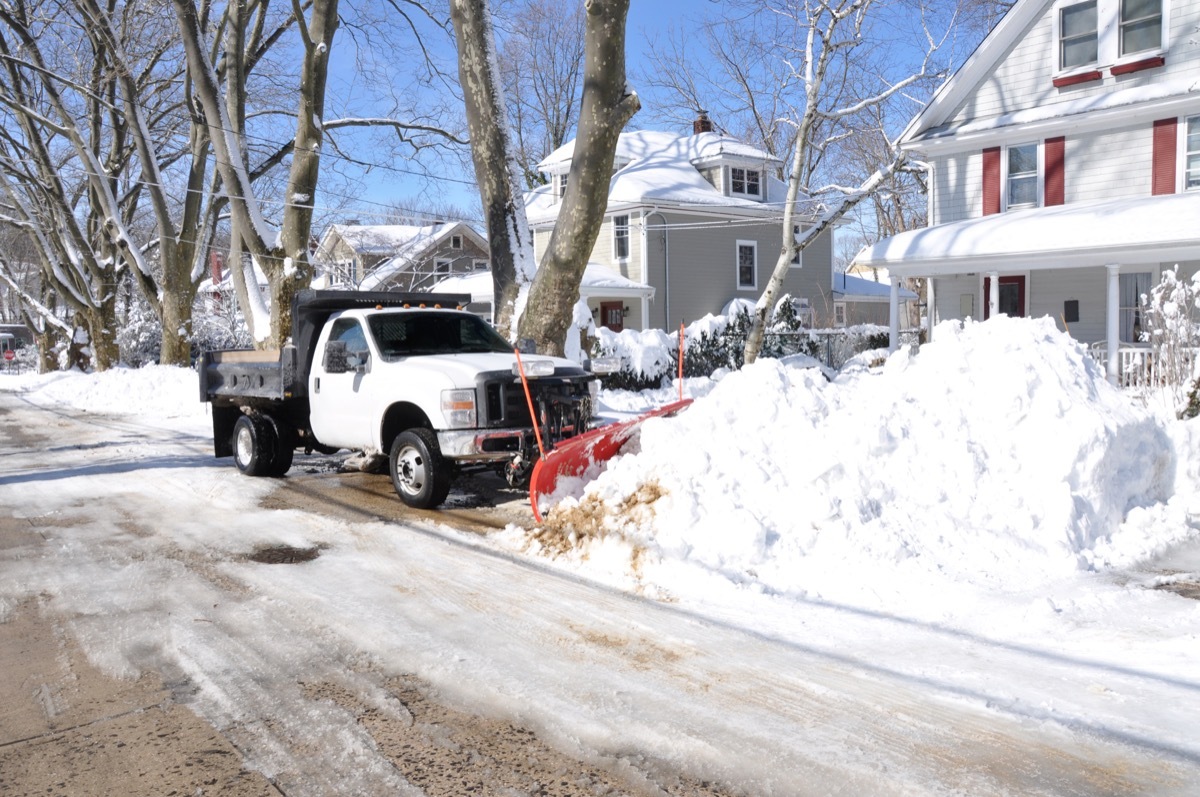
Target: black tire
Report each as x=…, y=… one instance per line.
x=253, y=445
x=284, y=448
x=419, y=473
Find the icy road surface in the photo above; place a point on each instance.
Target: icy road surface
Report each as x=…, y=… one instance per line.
x=135, y=534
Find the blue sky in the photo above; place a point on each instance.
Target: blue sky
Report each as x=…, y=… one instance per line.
x=647, y=19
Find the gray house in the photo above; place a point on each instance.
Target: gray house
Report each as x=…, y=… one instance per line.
x=399, y=256
x=697, y=218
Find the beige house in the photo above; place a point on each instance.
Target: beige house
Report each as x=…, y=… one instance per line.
x=698, y=219
x=398, y=256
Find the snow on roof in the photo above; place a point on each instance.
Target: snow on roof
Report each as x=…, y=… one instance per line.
x=636, y=144
x=598, y=280
x=382, y=238
x=1108, y=101
x=859, y=289
x=420, y=241
x=660, y=167
x=1138, y=230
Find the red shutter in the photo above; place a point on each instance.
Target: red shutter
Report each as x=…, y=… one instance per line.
x=1163, y=179
x=991, y=181
x=1055, y=186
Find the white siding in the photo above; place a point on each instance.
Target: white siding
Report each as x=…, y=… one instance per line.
x=1024, y=78
x=1109, y=164
x=958, y=188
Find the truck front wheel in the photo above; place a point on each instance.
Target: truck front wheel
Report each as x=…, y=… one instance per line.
x=419, y=474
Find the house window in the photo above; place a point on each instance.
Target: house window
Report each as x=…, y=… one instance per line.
x=1191, y=156
x=441, y=267
x=621, y=237
x=744, y=181
x=1078, y=42
x=747, y=265
x=560, y=184
x=1141, y=26
x=456, y=242
x=796, y=258
x=839, y=314
x=1132, y=287
x=480, y=265
x=1022, y=177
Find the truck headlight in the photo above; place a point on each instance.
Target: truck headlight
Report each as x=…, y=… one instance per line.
x=534, y=368
x=459, y=408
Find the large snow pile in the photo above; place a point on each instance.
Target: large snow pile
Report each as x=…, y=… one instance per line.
x=998, y=454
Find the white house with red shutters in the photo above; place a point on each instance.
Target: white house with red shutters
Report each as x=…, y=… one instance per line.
x=1064, y=169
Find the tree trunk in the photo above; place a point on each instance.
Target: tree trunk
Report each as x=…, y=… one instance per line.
x=605, y=109
x=511, y=248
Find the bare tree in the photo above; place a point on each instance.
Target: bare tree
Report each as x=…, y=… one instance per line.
x=607, y=106
x=496, y=169
x=839, y=63
x=281, y=254
x=541, y=57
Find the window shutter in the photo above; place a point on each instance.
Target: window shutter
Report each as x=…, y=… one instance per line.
x=991, y=181
x=1163, y=179
x=1055, y=187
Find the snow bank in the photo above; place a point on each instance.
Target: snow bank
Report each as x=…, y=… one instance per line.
x=153, y=391
x=998, y=454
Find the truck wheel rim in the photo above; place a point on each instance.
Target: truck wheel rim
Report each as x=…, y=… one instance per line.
x=410, y=471
x=245, y=445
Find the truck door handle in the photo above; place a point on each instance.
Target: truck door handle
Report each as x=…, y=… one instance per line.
x=317, y=385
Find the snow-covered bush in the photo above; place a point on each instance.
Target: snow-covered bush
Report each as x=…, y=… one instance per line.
x=1170, y=327
x=717, y=342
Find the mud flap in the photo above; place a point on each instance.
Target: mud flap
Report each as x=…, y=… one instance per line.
x=572, y=457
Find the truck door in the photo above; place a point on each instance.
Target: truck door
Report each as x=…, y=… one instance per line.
x=340, y=401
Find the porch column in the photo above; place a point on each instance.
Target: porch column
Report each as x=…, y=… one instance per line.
x=993, y=297
x=930, y=305
x=1112, y=324
x=894, y=315
x=645, y=312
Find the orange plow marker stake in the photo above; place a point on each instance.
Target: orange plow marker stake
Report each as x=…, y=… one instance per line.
x=574, y=456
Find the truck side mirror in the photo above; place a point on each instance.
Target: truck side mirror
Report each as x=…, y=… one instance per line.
x=336, y=359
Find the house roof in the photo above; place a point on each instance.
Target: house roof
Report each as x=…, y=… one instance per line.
x=661, y=168
x=1153, y=229
x=412, y=248
x=598, y=280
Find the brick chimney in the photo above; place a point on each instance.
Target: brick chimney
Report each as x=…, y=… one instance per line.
x=702, y=124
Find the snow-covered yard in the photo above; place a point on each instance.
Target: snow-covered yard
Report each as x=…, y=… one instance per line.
x=942, y=574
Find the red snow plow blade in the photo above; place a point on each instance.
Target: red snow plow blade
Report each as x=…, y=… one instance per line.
x=573, y=456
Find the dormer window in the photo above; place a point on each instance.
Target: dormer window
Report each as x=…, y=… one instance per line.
x=744, y=181
x=456, y=242
x=1141, y=26
x=560, y=185
x=1078, y=42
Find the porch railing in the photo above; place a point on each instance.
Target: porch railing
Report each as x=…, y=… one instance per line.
x=1140, y=366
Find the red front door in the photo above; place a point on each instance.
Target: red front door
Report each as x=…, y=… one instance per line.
x=1012, y=296
x=612, y=316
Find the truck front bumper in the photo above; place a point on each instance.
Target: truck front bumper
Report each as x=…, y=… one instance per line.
x=482, y=445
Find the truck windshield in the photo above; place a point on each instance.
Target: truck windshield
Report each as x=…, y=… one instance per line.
x=430, y=332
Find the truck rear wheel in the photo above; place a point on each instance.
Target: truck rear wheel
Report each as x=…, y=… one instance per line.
x=419, y=474
x=253, y=445
x=283, y=448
